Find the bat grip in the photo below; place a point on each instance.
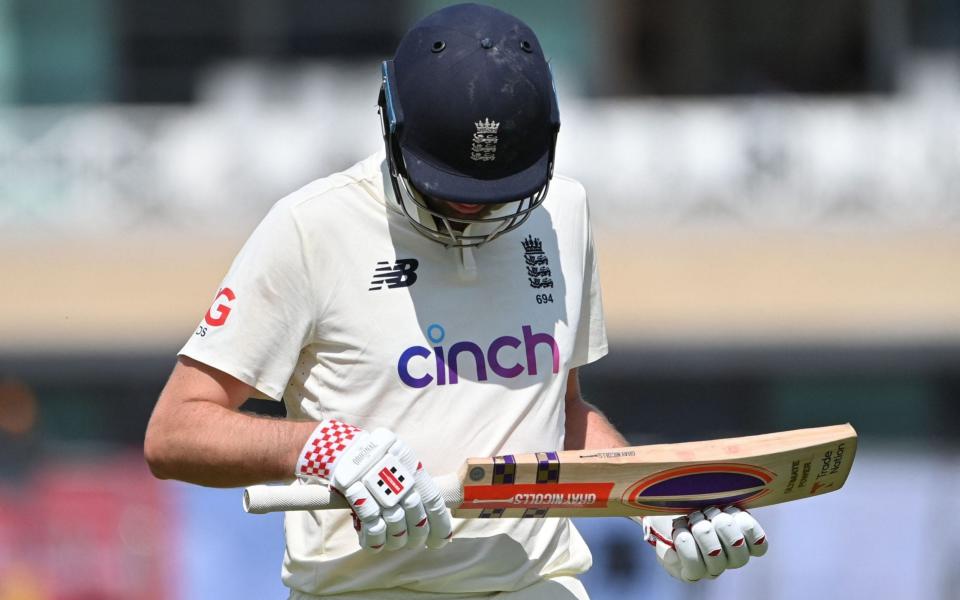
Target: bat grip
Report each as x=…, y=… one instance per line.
x=263, y=499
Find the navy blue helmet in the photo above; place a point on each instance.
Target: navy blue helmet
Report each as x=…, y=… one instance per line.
x=469, y=115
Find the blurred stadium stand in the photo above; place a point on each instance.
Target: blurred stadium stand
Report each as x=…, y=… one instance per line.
x=775, y=188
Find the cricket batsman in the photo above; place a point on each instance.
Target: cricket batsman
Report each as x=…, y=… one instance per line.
x=432, y=302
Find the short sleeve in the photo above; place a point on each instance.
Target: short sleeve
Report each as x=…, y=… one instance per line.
x=591, y=343
x=263, y=313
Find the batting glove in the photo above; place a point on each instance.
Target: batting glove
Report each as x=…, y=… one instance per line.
x=704, y=544
x=395, y=502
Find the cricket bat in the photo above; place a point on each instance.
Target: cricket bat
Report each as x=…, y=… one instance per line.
x=747, y=472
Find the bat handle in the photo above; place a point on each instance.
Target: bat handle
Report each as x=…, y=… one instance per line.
x=263, y=499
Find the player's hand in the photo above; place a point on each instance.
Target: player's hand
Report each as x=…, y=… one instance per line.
x=704, y=544
x=395, y=502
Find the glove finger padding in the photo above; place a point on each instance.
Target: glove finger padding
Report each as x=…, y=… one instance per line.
x=755, y=536
x=373, y=535
x=373, y=529
x=396, y=522
x=417, y=525
x=710, y=548
x=439, y=525
x=704, y=544
x=732, y=538
x=692, y=567
x=362, y=503
x=668, y=559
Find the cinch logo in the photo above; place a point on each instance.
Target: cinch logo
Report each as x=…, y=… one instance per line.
x=685, y=489
x=443, y=368
x=218, y=313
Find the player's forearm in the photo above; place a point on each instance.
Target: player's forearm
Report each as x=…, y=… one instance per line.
x=207, y=444
x=587, y=427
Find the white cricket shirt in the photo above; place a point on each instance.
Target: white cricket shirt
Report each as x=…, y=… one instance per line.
x=336, y=305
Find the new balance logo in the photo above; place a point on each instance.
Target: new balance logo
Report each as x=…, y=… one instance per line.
x=402, y=273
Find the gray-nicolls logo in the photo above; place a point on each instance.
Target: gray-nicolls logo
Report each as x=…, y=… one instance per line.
x=537, y=263
x=402, y=273
x=484, y=147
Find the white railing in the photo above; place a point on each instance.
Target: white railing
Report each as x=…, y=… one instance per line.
x=758, y=161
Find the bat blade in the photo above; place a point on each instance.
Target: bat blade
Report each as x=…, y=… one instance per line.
x=748, y=472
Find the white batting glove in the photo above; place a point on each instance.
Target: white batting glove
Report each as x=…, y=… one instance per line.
x=395, y=502
x=704, y=544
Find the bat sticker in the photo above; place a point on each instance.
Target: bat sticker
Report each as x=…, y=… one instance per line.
x=689, y=488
